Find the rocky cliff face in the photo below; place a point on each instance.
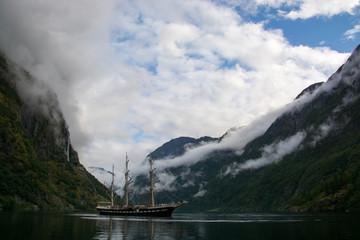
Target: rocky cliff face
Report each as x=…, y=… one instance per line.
x=38, y=166
x=48, y=129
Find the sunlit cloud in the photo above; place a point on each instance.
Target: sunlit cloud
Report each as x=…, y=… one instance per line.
x=327, y=8
x=143, y=72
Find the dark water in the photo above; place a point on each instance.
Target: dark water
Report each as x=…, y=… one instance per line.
x=44, y=225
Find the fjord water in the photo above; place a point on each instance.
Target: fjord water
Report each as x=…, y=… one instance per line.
x=50, y=225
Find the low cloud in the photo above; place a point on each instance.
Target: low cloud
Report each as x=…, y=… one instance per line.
x=234, y=140
x=322, y=131
x=57, y=43
x=201, y=191
x=166, y=181
x=272, y=153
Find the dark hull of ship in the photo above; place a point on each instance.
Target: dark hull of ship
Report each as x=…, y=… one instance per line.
x=146, y=212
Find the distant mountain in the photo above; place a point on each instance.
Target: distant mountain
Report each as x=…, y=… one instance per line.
x=309, y=90
x=105, y=176
x=39, y=169
x=307, y=160
x=178, y=146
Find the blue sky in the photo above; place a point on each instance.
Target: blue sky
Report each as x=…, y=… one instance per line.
x=132, y=74
x=320, y=31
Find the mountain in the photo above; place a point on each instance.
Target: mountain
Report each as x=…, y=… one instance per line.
x=39, y=169
x=105, y=176
x=308, y=159
x=177, y=147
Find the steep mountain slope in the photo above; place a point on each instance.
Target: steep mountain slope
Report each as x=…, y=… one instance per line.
x=308, y=159
x=177, y=147
x=38, y=166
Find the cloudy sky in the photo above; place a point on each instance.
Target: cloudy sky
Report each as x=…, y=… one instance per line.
x=132, y=74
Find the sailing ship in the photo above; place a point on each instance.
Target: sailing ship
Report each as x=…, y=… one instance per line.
x=150, y=210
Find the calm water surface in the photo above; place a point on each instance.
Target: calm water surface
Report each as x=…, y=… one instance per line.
x=45, y=225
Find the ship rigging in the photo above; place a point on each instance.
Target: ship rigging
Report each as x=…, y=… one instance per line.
x=151, y=209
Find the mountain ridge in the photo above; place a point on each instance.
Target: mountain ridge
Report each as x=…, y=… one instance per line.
x=177, y=147
x=312, y=145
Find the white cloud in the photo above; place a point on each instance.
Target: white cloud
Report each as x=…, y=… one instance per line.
x=350, y=34
x=323, y=130
x=328, y=8
x=272, y=153
x=166, y=181
x=201, y=191
x=141, y=73
x=235, y=140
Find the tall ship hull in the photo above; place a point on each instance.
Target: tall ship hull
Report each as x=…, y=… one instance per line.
x=149, y=210
x=163, y=210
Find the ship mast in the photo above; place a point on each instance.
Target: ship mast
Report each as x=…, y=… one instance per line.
x=127, y=181
x=151, y=174
x=112, y=187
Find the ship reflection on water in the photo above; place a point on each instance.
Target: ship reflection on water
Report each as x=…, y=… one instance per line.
x=142, y=228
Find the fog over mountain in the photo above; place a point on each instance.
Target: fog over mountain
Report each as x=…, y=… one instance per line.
x=141, y=73
x=238, y=138
x=319, y=115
